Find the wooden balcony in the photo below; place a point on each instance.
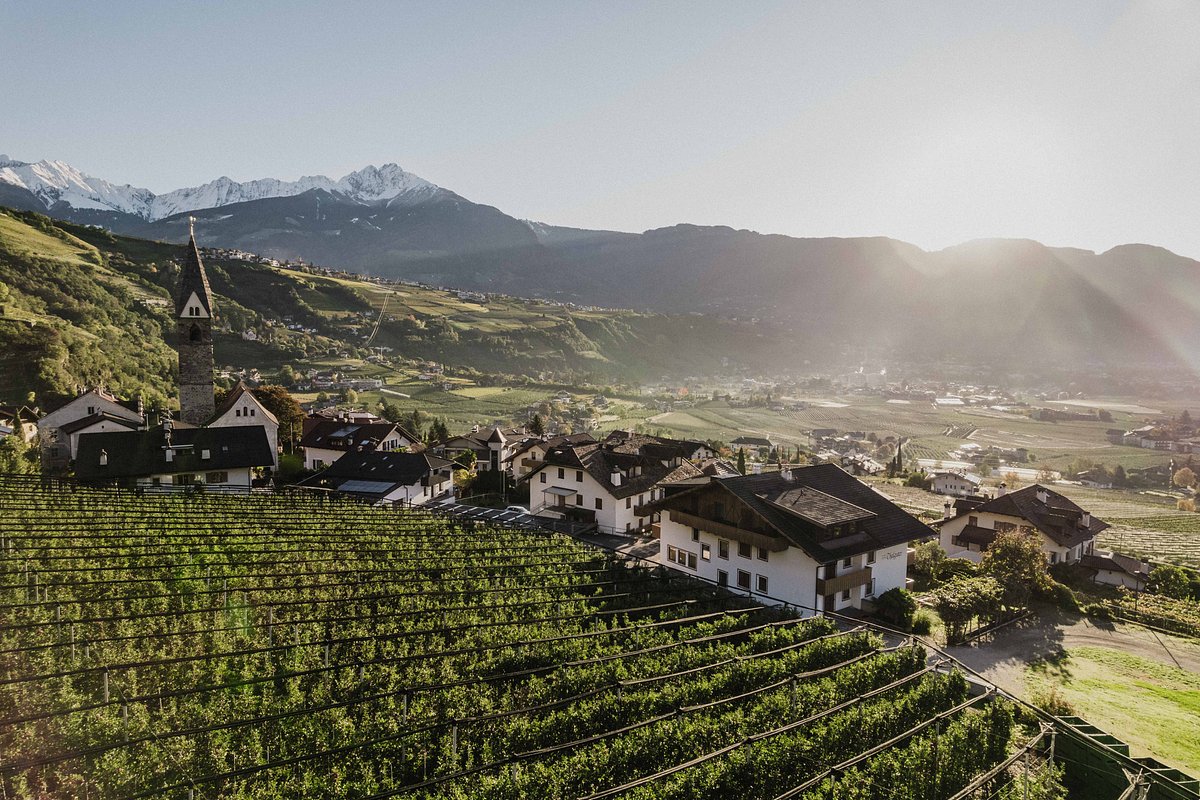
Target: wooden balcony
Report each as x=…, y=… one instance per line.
x=847, y=580
x=774, y=544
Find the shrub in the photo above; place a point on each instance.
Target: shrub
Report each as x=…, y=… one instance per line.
x=922, y=624
x=897, y=606
x=1098, y=611
x=1051, y=700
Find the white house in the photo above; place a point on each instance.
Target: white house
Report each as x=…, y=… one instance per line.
x=814, y=537
x=608, y=482
x=1066, y=531
x=325, y=440
x=219, y=459
x=55, y=445
x=242, y=408
x=389, y=477
x=532, y=451
x=956, y=484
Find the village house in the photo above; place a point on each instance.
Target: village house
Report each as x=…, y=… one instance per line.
x=814, y=537
x=326, y=440
x=241, y=409
x=93, y=411
x=1114, y=569
x=16, y=421
x=955, y=484
x=218, y=459
x=1066, y=531
x=531, y=451
x=386, y=477
x=492, y=446
x=606, y=483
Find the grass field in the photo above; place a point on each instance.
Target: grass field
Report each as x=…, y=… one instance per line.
x=1107, y=687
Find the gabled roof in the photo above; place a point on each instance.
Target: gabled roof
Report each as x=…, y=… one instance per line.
x=375, y=473
x=601, y=459
x=880, y=524
x=139, y=454
x=554, y=441
x=234, y=395
x=193, y=279
x=1115, y=562
x=1058, y=517
x=92, y=419
x=341, y=435
x=132, y=405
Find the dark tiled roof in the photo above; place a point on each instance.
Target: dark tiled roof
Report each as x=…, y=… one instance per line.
x=387, y=471
x=1115, y=562
x=752, y=441
x=974, y=534
x=137, y=454
x=600, y=460
x=816, y=506
x=888, y=524
x=193, y=279
x=342, y=435
x=554, y=441
x=1059, y=517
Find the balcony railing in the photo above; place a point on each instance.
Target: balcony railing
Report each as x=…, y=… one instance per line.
x=848, y=580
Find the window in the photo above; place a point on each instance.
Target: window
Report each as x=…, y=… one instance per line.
x=706, y=552
x=599, y=503
x=743, y=579
x=185, y=479
x=629, y=502
x=762, y=583
x=91, y=410
x=156, y=481
x=216, y=477
x=561, y=473
x=870, y=590
x=723, y=548
x=194, y=335
x=578, y=499
x=1054, y=558
x=252, y=412
x=722, y=578
x=672, y=553
x=845, y=594
x=973, y=521
x=744, y=549
x=871, y=557
x=691, y=560
x=578, y=476
x=846, y=562
x=542, y=475
x=762, y=554
x=695, y=534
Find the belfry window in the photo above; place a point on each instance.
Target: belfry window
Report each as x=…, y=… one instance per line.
x=194, y=334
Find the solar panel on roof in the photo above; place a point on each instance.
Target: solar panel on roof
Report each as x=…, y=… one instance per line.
x=366, y=487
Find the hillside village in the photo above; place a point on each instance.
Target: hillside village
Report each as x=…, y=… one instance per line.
x=791, y=524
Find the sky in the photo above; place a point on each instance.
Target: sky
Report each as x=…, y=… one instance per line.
x=1073, y=123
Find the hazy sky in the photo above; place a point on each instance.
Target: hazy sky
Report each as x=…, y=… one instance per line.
x=1075, y=123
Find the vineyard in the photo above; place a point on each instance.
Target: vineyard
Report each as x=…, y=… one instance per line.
x=263, y=647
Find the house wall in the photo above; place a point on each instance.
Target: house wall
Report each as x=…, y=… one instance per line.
x=238, y=480
x=957, y=486
x=327, y=456
x=1112, y=578
x=103, y=426
x=614, y=516
x=791, y=573
x=416, y=494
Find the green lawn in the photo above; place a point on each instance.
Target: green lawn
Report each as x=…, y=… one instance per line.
x=1154, y=707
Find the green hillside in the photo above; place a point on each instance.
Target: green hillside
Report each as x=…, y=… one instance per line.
x=84, y=306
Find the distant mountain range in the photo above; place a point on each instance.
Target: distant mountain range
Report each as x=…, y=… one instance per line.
x=1011, y=303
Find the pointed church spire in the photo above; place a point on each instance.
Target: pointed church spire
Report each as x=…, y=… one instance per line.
x=193, y=279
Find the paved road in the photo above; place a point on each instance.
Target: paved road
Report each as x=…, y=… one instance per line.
x=1002, y=658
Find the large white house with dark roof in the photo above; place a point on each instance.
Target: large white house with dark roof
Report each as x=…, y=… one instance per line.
x=814, y=537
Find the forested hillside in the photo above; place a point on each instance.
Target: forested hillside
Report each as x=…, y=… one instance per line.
x=83, y=306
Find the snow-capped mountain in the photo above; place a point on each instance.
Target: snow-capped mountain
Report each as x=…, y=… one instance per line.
x=55, y=182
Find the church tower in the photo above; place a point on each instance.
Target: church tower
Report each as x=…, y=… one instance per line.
x=194, y=313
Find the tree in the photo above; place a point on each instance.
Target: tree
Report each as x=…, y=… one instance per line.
x=929, y=559
x=280, y=402
x=1012, y=479
x=536, y=426
x=897, y=606
x=1170, y=581
x=16, y=458
x=1119, y=477
x=1016, y=561
x=287, y=375
x=919, y=479
x=962, y=599
x=1184, y=478
x=741, y=460
x=1045, y=474
x=348, y=396
x=438, y=432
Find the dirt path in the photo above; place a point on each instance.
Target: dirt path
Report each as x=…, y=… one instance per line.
x=1003, y=657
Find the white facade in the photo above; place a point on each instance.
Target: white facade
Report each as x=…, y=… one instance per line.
x=55, y=448
x=228, y=480
x=786, y=576
x=247, y=410
x=1055, y=553
x=952, y=483
x=102, y=426
x=556, y=489
x=321, y=457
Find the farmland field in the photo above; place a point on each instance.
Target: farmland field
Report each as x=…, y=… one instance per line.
x=268, y=647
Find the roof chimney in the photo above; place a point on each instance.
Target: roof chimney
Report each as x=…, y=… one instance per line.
x=1086, y=519
x=947, y=510
x=1002, y=490
x=786, y=473
x=104, y=458
x=615, y=477
x=1043, y=496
